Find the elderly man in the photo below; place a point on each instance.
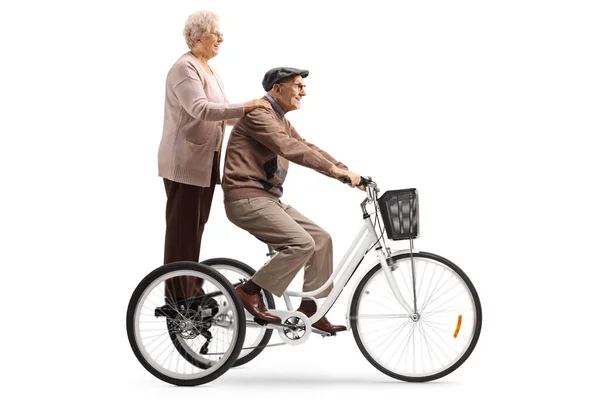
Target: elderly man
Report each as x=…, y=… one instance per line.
x=258, y=153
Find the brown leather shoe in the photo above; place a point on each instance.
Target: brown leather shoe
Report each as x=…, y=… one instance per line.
x=253, y=303
x=323, y=324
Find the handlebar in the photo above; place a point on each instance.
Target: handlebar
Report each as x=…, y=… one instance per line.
x=371, y=189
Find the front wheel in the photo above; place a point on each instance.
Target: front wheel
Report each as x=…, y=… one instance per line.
x=416, y=346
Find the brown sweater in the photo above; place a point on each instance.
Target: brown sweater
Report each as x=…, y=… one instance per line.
x=259, y=148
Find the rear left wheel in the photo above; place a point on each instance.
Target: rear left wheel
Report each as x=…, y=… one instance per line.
x=215, y=322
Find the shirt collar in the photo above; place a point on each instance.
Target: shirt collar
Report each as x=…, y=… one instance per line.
x=276, y=106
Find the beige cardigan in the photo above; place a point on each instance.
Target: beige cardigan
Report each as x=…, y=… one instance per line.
x=196, y=109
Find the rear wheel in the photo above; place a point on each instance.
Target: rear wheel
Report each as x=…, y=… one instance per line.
x=423, y=345
x=213, y=324
x=257, y=336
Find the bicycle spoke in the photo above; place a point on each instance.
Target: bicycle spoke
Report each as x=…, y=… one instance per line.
x=434, y=296
x=381, y=316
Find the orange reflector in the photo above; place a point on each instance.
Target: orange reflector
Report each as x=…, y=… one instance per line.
x=458, y=326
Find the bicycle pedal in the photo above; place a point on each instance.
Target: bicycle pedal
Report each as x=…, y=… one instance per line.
x=262, y=322
x=323, y=333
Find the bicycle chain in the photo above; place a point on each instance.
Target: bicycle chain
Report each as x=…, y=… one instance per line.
x=248, y=348
x=256, y=347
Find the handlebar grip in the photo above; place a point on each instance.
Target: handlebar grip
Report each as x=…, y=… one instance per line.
x=363, y=181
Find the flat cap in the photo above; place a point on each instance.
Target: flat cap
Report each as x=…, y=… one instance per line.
x=280, y=74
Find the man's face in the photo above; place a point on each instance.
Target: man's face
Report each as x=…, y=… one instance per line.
x=290, y=93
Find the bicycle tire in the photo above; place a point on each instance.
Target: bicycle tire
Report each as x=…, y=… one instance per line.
x=452, y=273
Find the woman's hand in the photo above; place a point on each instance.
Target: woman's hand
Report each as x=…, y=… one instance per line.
x=253, y=104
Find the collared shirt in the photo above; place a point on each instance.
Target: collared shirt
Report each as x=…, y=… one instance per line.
x=276, y=106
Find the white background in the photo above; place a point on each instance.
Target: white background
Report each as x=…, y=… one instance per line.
x=490, y=109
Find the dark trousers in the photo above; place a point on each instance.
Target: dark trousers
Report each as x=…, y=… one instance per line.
x=188, y=208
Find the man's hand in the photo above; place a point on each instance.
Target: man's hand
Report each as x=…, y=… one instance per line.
x=340, y=174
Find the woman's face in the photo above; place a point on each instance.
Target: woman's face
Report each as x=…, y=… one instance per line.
x=208, y=46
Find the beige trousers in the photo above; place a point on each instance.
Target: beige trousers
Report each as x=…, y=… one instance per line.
x=300, y=244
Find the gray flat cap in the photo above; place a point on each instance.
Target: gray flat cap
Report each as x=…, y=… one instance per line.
x=280, y=74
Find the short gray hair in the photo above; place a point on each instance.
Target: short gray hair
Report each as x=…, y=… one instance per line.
x=197, y=25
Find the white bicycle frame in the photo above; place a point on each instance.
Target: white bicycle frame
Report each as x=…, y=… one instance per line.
x=366, y=238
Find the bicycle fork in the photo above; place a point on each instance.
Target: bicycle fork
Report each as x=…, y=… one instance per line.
x=410, y=309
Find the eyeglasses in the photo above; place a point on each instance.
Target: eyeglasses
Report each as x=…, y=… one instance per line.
x=299, y=86
x=217, y=34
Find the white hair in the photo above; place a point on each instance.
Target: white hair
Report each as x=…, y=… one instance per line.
x=197, y=25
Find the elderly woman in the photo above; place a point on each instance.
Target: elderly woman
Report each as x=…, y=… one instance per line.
x=196, y=112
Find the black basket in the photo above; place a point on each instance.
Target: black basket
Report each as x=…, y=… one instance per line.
x=400, y=212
